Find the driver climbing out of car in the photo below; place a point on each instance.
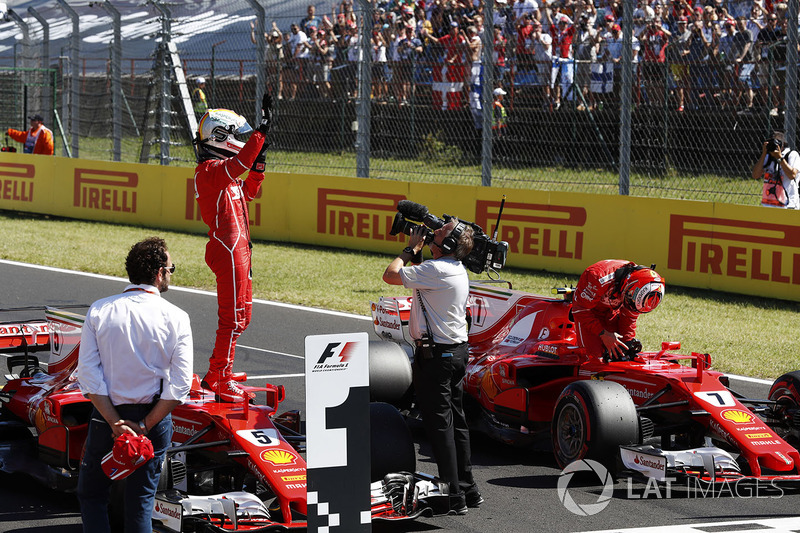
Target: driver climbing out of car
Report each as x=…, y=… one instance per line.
x=610, y=296
x=438, y=324
x=223, y=156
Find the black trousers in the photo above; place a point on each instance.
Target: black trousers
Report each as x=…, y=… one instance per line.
x=440, y=395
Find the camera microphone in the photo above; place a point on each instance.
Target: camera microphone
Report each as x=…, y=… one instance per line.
x=412, y=210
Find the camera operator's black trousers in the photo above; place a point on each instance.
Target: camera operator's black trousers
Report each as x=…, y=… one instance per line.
x=440, y=394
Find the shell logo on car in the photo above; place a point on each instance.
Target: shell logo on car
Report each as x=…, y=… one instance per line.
x=279, y=457
x=737, y=417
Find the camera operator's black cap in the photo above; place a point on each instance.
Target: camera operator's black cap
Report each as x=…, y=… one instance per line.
x=779, y=135
x=37, y=116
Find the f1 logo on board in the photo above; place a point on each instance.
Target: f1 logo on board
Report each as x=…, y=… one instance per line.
x=335, y=357
x=366, y=215
x=536, y=229
x=16, y=182
x=105, y=190
x=735, y=248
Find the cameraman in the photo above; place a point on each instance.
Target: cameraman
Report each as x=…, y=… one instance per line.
x=778, y=165
x=438, y=312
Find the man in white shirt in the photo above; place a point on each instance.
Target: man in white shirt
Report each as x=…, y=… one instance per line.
x=135, y=365
x=438, y=324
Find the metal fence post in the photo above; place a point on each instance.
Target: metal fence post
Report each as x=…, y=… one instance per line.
x=166, y=78
x=261, y=57
x=116, y=80
x=487, y=90
x=790, y=118
x=75, y=90
x=50, y=95
x=626, y=93
x=363, y=104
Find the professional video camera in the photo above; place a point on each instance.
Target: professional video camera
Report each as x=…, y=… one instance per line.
x=487, y=253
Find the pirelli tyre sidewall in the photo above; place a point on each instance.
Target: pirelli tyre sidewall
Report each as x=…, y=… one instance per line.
x=591, y=420
x=785, y=391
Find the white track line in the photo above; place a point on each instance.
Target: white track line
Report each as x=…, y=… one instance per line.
x=189, y=290
x=268, y=302
x=771, y=525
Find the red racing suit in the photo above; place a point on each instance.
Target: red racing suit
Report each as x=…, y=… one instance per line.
x=597, y=305
x=223, y=198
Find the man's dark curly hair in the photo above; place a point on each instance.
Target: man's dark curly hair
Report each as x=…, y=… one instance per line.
x=145, y=259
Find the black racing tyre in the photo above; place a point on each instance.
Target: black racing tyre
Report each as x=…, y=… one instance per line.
x=786, y=392
x=591, y=420
x=391, y=445
x=389, y=372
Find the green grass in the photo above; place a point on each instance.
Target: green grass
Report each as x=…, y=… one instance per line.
x=744, y=335
x=430, y=169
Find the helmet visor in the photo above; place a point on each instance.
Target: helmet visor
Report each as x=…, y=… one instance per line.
x=648, y=297
x=241, y=134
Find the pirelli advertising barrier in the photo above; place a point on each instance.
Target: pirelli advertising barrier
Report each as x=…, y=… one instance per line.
x=741, y=249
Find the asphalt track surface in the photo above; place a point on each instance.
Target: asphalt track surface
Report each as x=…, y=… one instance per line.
x=519, y=485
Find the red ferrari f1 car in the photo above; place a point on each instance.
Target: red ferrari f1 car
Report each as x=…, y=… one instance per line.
x=527, y=381
x=232, y=467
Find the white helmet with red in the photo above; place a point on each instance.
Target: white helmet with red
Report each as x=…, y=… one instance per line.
x=643, y=290
x=221, y=133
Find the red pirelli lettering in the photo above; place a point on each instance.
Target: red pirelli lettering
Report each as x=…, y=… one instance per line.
x=359, y=214
x=734, y=248
x=105, y=190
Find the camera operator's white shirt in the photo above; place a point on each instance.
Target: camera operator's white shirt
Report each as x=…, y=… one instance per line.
x=789, y=185
x=444, y=287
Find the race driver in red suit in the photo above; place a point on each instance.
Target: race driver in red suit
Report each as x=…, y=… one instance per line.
x=607, y=301
x=222, y=195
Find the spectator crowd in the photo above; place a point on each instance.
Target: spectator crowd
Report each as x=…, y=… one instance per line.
x=687, y=54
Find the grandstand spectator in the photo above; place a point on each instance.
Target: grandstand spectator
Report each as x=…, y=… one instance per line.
x=524, y=50
x=310, y=20
x=585, y=54
x=773, y=57
x=709, y=68
x=380, y=89
x=655, y=44
x=562, y=33
x=743, y=57
x=678, y=9
x=543, y=58
x=613, y=44
x=500, y=44
x=678, y=55
x=274, y=57
x=452, y=72
x=698, y=51
x=727, y=63
x=37, y=140
x=351, y=43
x=602, y=76
x=408, y=50
x=297, y=60
x=323, y=52
x=475, y=79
